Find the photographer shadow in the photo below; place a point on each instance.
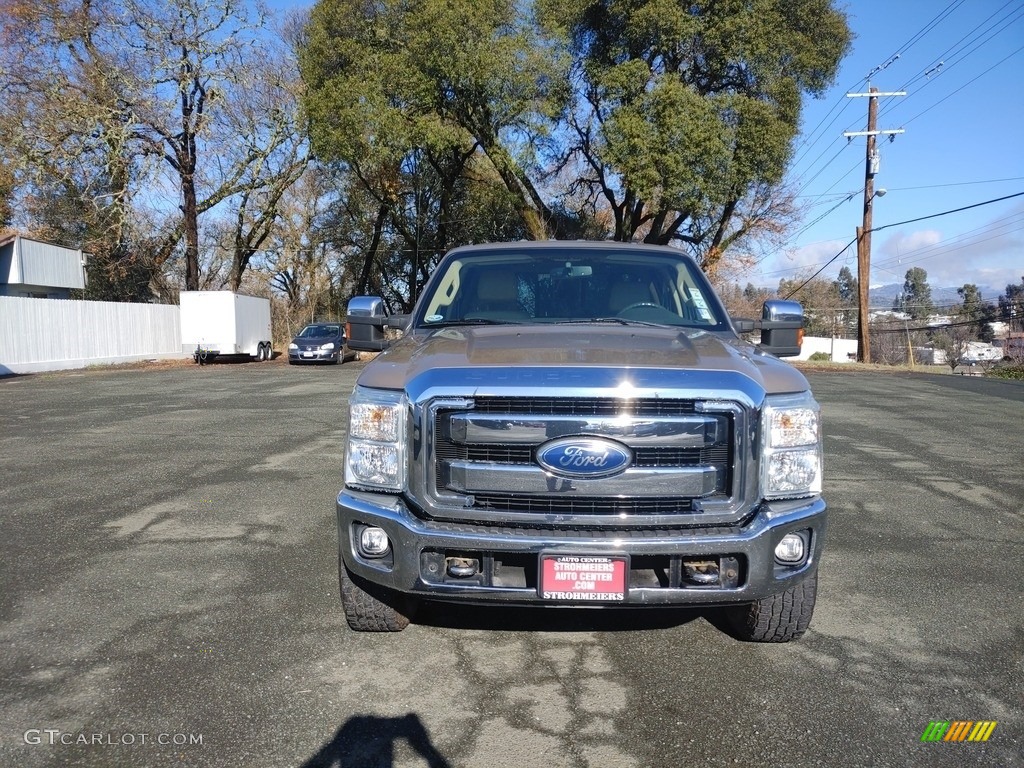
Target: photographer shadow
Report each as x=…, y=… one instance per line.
x=368, y=741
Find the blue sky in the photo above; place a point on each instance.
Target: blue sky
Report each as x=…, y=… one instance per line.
x=964, y=144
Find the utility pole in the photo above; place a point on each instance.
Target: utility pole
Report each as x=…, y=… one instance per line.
x=864, y=231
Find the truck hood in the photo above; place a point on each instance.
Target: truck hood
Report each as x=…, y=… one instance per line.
x=421, y=355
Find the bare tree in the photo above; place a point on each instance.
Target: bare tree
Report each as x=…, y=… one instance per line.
x=114, y=94
x=888, y=343
x=955, y=342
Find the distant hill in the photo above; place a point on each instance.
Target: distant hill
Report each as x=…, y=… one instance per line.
x=883, y=296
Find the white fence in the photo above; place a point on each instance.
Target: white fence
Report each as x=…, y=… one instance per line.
x=839, y=350
x=54, y=334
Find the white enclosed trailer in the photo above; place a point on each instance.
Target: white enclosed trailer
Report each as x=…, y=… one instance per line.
x=225, y=323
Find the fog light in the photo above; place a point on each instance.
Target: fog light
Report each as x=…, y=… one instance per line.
x=790, y=549
x=373, y=542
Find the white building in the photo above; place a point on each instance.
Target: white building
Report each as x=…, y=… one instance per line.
x=38, y=270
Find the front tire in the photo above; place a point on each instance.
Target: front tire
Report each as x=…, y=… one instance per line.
x=366, y=612
x=777, y=618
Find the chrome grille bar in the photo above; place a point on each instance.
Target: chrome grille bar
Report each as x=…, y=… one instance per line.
x=697, y=431
x=476, y=477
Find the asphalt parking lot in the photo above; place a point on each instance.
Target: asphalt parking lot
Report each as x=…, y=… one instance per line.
x=168, y=596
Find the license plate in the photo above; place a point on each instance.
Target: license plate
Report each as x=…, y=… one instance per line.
x=308, y=354
x=583, y=578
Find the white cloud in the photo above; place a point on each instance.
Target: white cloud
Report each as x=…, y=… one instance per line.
x=988, y=252
x=803, y=262
x=990, y=255
x=901, y=243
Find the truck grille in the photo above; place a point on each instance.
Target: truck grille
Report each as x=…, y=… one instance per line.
x=597, y=406
x=485, y=459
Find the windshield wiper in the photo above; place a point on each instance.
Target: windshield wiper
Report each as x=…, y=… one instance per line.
x=616, y=320
x=471, y=321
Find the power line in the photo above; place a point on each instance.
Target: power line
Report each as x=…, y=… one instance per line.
x=933, y=106
x=978, y=36
x=942, y=249
x=906, y=46
x=956, y=54
x=805, y=282
x=904, y=328
x=965, y=46
x=896, y=224
x=948, y=58
x=946, y=213
x=955, y=184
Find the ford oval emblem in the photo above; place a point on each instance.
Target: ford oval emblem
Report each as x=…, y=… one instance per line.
x=584, y=457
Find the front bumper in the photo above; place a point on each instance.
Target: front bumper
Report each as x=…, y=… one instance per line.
x=313, y=356
x=509, y=557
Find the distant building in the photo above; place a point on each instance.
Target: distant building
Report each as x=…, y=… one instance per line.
x=1012, y=344
x=887, y=315
x=981, y=352
x=39, y=270
x=938, y=321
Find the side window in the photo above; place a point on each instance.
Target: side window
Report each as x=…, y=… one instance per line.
x=446, y=295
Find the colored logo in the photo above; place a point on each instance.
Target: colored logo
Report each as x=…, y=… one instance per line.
x=584, y=457
x=959, y=730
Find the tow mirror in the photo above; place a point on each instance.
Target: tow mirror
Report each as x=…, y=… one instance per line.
x=365, y=322
x=782, y=327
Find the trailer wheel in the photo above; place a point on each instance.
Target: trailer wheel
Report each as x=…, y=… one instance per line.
x=261, y=352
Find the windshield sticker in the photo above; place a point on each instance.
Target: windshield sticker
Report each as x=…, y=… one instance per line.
x=698, y=301
x=433, y=318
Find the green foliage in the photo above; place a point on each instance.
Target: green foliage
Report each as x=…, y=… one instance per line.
x=687, y=109
x=426, y=111
x=847, y=286
x=1011, y=305
x=916, y=298
x=977, y=311
x=1013, y=371
x=820, y=357
x=680, y=116
x=388, y=79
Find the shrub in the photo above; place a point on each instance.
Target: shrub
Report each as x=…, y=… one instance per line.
x=1008, y=371
x=820, y=357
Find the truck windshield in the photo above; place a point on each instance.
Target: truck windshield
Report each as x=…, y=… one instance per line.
x=570, y=285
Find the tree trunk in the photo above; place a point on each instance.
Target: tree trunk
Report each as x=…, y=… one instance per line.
x=371, y=255
x=191, y=216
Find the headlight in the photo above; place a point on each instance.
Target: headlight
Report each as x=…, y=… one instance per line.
x=375, y=457
x=327, y=347
x=791, y=450
x=293, y=345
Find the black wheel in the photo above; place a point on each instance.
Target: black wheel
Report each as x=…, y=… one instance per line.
x=778, y=618
x=366, y=612
x=261, y=354
x=268, y=351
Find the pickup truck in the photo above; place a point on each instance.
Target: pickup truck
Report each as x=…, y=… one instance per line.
x=580, y=424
